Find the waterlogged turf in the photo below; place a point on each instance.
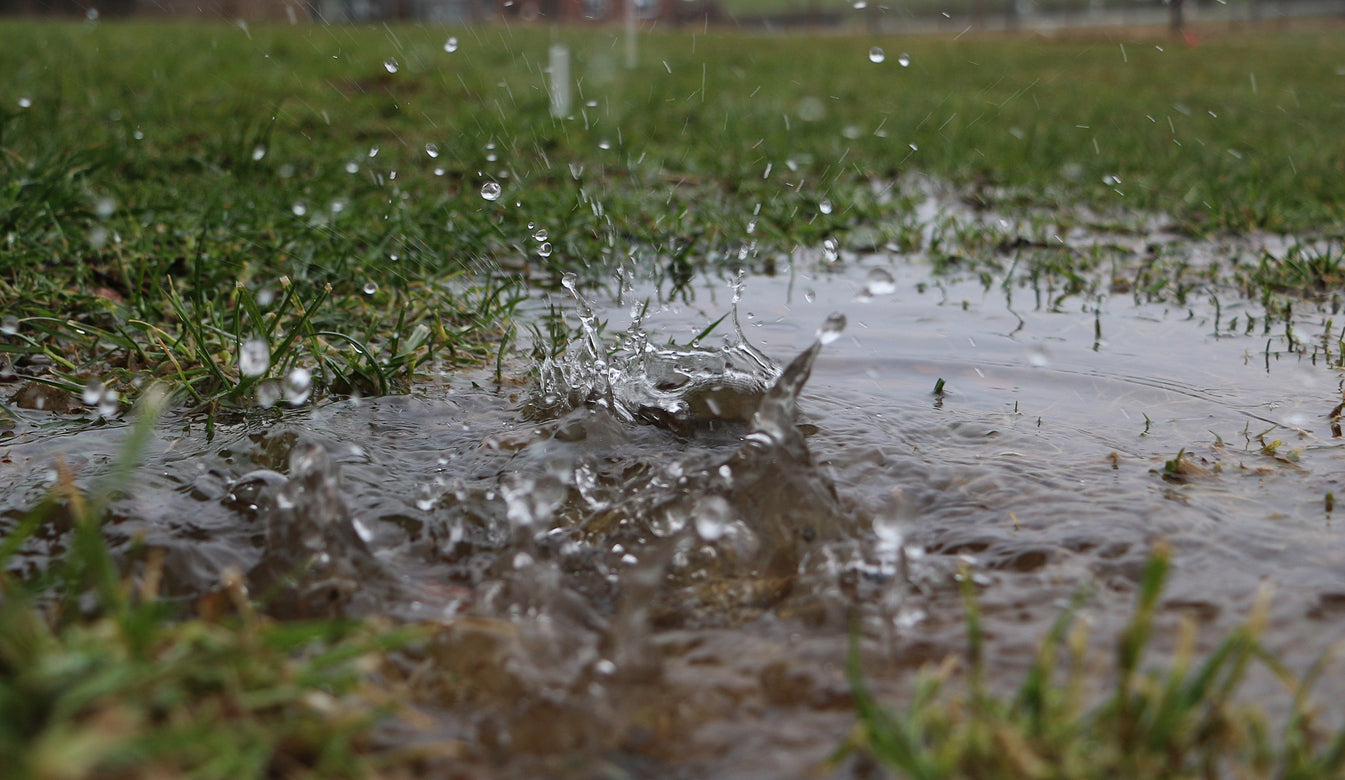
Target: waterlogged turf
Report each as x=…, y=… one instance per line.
x=654, y=439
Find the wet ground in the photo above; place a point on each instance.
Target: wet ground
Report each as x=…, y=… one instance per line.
x=642, y=567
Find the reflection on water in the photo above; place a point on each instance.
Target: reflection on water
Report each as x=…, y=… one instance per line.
x=644, y=561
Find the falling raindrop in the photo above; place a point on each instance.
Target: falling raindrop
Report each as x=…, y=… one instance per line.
x=432, y=150
x=824, y=206
x=391, y=65
x=876, y=54
x=92, y=392
x=860, y=5
x=373, y=152
x=298, y=386
x=879, y=282
x=451, y=45
x=104, y=398
x=370, y=288
x=91, y=14
x=904, y=60
x=258, y=152
x=10, y=325
x=576, y=170
x=104, y=207
x=1111, y=180
x=831, y=250
x=545, y=249
x=268, y=393
x=25, y=102
x=352, y=167
x=265, y=297
x=254, y=357
x=299, y=208
x=604, y=144
x=540, y=236
x=831, y=328
x=491, y=191
x=439, y=171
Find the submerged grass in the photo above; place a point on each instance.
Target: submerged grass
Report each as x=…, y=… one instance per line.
x=1181, y=719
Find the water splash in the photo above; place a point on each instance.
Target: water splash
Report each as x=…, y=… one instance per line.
x=673, y=387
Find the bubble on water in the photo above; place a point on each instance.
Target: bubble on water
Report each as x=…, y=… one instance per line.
x=831, y=328
x=299, y=208
x=540, y=235
x=432, y=150
x=298, y=385
x=824, y=206
x=254, y=357
x=373, y=152
x=390, y=65
x=352, y=167
x=904, y=60
x=258, y=152
x=25, y=102
x=876, y=54
x=831, y=251
x=451, y=45
x=712, y=517
x=9, y=325
x=268, y=393
x=491, y=191
x=370, y=287
x=545, y=249
x=879, y=282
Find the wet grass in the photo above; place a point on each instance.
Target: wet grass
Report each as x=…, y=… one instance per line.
x=171, y=191
x=1183, y=718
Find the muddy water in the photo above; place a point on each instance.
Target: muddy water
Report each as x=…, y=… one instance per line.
x=666, y=586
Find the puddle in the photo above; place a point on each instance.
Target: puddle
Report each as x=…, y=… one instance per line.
x=660, y=577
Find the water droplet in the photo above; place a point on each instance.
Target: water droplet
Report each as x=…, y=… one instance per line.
x=298, y=386
x=879, y=282
x=451, y=45
x=432, y=150
x=712, y=517
x=265, y=297
x=544, y=250
x=876, y=54
x=92, y=392
x=391, y=65
x=373, y=152
x=824, y=206
x=810, y=295
x=299, y=208
x=439, y=171
x=25, y=102
x=604, y=144
x=576, y=170
x=860, y=5
x=540, y=236
x=904, y=60
x=370, y=288
x=10, y=325
x=254, y=357
x=337, y=206
x=491, y=191
x=831, y=250
x=91, y=14
x=258, y=152
x=831, y=328
x=352, y=167
x=1111, y=180
x=268, y=393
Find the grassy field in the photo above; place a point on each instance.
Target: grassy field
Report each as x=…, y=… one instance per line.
x=171, y=194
